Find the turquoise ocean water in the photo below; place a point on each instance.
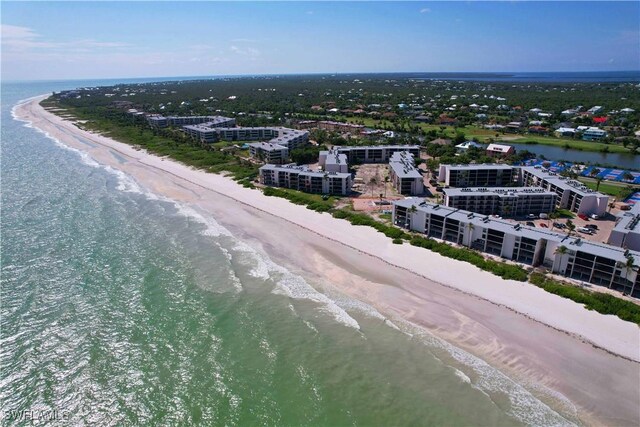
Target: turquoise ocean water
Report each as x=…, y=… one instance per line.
x=120, y=307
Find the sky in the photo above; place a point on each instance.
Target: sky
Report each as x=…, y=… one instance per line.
x=85, y=40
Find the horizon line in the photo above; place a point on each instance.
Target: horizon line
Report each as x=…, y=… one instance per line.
x=318, y=74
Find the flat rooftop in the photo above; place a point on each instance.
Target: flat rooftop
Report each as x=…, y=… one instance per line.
x=335, y=158
x=499, y=191
x=379, y=147
x=201, y=127
x=480, y=166
x=303, y=170
x=629, y=221
x=560, y=181
x=267, y=146
x=403, y=165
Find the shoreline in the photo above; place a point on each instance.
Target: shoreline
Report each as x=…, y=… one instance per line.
x=484, y=295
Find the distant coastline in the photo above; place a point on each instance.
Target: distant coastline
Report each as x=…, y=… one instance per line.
x=497, y=76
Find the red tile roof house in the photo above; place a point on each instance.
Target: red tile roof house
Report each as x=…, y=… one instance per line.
x=600, y=120
x=499, y=150
x=446, y=120
x=539, y=130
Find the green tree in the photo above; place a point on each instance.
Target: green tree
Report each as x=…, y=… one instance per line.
x=570, y=227
x=627, y=176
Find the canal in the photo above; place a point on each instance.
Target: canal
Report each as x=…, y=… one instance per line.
x=551, y=152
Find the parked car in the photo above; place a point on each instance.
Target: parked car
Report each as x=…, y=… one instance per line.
x=543, y=225
x=559, y=225
x=531, y=224
x=594, y=216
x=585, y=230
x=583, y=217
x=532, y=216
x=592, y=226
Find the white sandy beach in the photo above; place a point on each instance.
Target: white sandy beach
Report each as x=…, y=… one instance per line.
x=590, y=358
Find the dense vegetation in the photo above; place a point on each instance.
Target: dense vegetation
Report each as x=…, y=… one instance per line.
x=387, y=101
x=364, y=219
x=305, y=155
x=502, y=269
x=279, y=96
x=311, y=201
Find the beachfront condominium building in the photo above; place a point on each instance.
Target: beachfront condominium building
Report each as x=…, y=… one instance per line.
x=279, y=140
x=375, y=153
x=485, y=175
x=572, y=195
x=290, y=138
x=333, y=161
x=211, y=121
x=579, y=259
x=626, y=233
x=268, y=152
x=302, y=178
x=201, y=133
x=505, y=201
x=405, y=177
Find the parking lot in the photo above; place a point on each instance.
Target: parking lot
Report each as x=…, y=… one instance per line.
x=599, y=234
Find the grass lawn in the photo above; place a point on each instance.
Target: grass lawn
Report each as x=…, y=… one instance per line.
x=570, y=143
x=565, y=213
x=617, y=189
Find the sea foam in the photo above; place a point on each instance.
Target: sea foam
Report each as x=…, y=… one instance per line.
x=524, y=406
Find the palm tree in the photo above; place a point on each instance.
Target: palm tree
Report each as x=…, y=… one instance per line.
x=598, y=181
x=386, y=181
x=470, y=227
x=629, y=267
x=594, y=172
x=562, y=251
x=372, y=182
x=627, y=176
x=570, y=227
x=612, y=204
x=413, y=209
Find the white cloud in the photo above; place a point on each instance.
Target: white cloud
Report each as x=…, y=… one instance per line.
x=309, y=12
x=244, y=41
x=245, y=51
x=425, y=10
x=23, y=39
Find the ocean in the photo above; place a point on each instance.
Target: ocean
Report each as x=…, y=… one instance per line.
x=122, y=307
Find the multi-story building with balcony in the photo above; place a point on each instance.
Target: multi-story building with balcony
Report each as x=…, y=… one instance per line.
x=573, y=257
x=505, y=201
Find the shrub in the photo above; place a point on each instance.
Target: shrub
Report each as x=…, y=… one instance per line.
x=600, y=302
x=501, y=269
x=311, y=201
x=397, y=241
